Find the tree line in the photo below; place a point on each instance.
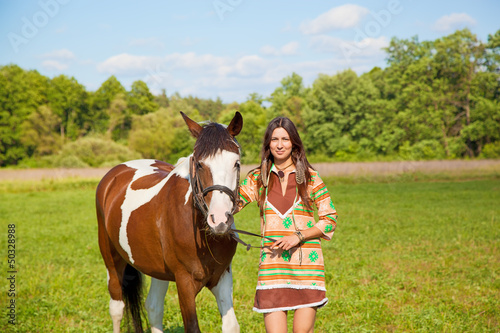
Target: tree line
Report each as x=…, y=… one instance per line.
x=434, y=100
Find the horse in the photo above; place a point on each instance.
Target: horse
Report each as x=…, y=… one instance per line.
x=172, y=223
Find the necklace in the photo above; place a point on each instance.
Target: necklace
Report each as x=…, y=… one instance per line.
x=281, y=174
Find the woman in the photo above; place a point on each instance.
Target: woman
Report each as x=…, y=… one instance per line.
x=291, y=270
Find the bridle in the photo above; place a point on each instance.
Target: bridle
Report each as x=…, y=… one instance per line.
x=199, y=192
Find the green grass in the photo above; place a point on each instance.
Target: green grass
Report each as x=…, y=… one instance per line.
x=407, y=256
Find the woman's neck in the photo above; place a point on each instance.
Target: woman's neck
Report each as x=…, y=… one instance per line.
x=283, y=163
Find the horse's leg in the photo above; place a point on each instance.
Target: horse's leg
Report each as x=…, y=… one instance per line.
x=155, y=304
x=115, y=266
x=223, y=293
x=187, y=289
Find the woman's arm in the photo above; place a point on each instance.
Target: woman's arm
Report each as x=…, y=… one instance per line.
x=326, y=224
x=287, y=242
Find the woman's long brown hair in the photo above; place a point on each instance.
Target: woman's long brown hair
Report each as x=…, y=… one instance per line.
x=298, y=157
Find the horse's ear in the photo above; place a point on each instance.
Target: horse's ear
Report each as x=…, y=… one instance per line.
x=193, y=126
x=236, y=124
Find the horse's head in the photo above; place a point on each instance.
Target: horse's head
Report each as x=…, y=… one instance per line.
x=215, y=171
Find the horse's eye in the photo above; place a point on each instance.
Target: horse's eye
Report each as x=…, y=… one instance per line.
x=237, y=164
x=198, y=165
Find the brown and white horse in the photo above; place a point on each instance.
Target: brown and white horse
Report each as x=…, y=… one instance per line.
x=173, y=224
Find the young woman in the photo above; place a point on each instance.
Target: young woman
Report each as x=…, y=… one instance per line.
x=291, y=270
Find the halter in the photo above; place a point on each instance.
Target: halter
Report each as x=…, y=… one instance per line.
x=199, y=192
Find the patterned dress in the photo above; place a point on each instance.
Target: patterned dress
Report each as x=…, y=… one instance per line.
x=295, y=278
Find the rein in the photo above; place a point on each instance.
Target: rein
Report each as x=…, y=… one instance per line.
x=199, y=194
x=248, y=245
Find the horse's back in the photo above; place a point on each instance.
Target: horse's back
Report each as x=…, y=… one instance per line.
x=123, y=201
x=148, y=171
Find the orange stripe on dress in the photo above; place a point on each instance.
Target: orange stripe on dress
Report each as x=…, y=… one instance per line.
x=291, y=277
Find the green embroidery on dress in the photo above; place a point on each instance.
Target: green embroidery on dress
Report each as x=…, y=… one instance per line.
x=286, y=255
x=331, y=205
x=264, y=255
x=310, y=224
x=287, y=222
x=313, y=256
x=328, y=228
x=245, y=182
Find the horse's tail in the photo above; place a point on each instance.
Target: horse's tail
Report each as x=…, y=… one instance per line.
x=132, y=295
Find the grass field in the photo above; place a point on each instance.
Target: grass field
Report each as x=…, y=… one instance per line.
x=407, y=256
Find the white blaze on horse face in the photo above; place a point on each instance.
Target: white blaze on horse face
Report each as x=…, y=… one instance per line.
x=224, y=172
x=136, y=198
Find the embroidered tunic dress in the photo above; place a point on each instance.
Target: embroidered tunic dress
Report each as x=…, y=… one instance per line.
x=295, y=278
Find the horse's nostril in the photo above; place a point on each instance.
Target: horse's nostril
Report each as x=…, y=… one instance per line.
x=213, y=218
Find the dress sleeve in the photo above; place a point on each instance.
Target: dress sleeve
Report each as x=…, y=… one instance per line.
x=248, y=189
x=326, y=210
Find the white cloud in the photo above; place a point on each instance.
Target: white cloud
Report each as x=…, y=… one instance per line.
x=251, y=65
x=453, y=21
x=351, y=50
x=192, y=63
x=127, y=64
x=234, y=78
x=286, y=50
x=342, y=17
x=290, y=48
x=62, y=54
x=54, y=65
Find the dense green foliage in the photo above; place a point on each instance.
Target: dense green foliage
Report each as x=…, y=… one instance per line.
x=406, y=257
x=434, y=100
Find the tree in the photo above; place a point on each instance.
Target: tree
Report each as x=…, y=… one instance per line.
x=208, y=109
x=140, y=100
x=119, y=118
x=40, y=135
x=68, y=99
x=21, y=93
x=163, y=134
x=288, y=100
x=438, y=86
x=100, y=101
x=254, y=126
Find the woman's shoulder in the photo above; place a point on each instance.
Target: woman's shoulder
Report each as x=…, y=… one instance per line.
x=315, y=177
x=253, y=174
x=314, y=174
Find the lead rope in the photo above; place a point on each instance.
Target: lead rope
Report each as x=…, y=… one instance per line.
x=248, y=245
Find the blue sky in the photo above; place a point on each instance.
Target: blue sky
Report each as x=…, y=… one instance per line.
x=221, y=48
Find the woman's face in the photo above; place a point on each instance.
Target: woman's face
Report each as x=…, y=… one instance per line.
x=280, y=145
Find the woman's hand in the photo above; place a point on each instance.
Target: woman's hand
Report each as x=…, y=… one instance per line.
x=286, y=243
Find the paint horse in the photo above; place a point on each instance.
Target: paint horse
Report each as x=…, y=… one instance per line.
x=173, y=224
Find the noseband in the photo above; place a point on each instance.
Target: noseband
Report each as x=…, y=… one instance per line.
x=199, y=192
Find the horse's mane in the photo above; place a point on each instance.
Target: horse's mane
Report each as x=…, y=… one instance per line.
x=213, y=137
